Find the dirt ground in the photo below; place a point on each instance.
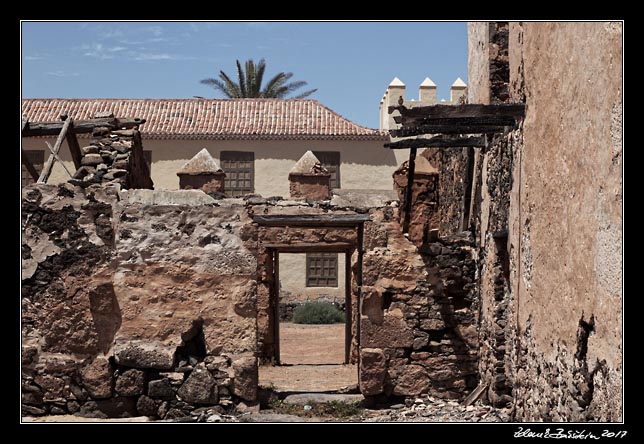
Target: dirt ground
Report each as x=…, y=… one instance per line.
x=312, y=359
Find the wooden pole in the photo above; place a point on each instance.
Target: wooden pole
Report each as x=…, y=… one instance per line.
x=411, y=169
x=74, y=147
x=46, y=170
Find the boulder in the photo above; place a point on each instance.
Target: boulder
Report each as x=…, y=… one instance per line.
x=130, y=383
x=245, y=377
x=373, y=368
x=200, y=387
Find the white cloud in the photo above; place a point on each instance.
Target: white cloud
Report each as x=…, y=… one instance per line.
x=152, y=56
x=60, y=73
x=34, y=57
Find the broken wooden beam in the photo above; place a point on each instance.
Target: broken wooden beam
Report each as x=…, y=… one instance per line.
x=33, y=129
x=466, y=121
x=46, y=169
x=514, y=110
x=447, y=129
x=30, y=166
x=437, y=142
x=74, y=147
x=311, y=220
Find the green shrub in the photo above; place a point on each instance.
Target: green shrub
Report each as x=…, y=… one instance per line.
x=317, y=313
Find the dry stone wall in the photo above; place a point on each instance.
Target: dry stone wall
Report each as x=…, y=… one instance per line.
x=113, y=156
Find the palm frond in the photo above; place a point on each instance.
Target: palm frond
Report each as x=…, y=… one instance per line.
x=242, y=81
x=231, y=86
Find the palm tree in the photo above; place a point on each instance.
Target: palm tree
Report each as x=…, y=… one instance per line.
x=250, y=83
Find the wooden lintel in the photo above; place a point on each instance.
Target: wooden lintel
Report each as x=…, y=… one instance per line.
x=447, y=129
x=465, y=121
x=514, y=110
x=334, y=247
x=74, y=147
x=437, y=142
x=34, y=129
x=30, y=166
x=46, y=169
x=311, y=220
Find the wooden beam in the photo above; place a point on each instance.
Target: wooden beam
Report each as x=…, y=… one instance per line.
x=25, y=123
x=437, y=142
x=411, y=169
x=335, y=247
x=446, y=129
x=514, y=110
x=46, y=169
x=80, y=126
x=311, y=220
x=30, y=166
x=465, y=121
x=74, y=147
x=348, y=309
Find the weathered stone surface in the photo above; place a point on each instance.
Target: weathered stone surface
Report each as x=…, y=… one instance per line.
x=200, y=387
x=412, y=380
x=143, y=354
x=130, y=383
x=373, y=368
x=146, y=406
x=97, y=378
x=161, y=389
x=109, y=408
x=393, y=332
x=91, y=159
x=246, y=377
x=54, y=388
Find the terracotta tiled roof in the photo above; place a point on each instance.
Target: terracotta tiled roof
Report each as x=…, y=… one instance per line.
x=213, y=118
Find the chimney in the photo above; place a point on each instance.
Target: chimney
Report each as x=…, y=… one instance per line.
x=309, y=179
x=457, y=90
x=395, y=91
x=202, y=173
x=427, y=92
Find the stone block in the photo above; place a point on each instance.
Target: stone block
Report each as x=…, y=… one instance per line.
x=200, y=387
x=245, y=377
x=393, y=332
x=412, y=380
x=130, y=383
x=373, y=368
x=97, y=378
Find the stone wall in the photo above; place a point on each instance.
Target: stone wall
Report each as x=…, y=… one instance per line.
x=549, y=224
x=419, y=312
x=114, y=324
x=113, y=156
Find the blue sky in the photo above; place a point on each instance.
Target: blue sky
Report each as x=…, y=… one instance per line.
x=351, y=63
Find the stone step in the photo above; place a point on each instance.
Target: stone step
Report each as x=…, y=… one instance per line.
x=322, y=398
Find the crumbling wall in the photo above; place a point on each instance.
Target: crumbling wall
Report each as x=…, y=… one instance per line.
x=550, y=219
x=419, y=311
x=452, y=169
x=136, y=302
x=113, y=156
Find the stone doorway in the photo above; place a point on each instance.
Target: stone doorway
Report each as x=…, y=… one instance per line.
x=340, y=234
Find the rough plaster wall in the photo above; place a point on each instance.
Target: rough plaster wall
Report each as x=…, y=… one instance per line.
x=204, y=273
x=293, y=280
x=571, y=192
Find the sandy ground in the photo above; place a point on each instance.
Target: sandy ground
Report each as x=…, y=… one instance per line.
x=312, y=357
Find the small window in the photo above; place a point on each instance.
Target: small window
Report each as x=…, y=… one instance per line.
x=239, y=167
x=331, y=161
x=37, y=158
x=322, y=270
x=147, y=155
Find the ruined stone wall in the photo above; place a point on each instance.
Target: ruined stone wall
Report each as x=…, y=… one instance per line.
x=135, y=302
x=452, y=170
x=419, y=314
x=550, y=220
x=113, y=156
